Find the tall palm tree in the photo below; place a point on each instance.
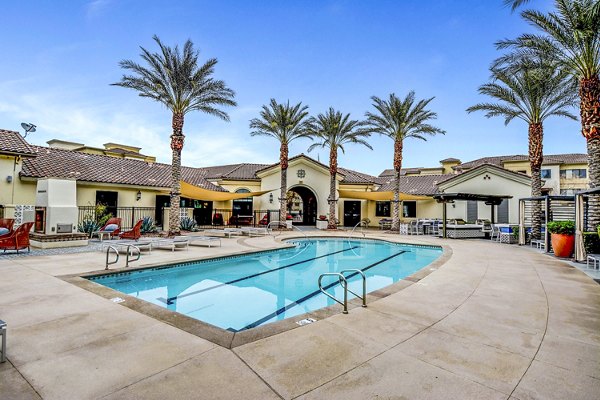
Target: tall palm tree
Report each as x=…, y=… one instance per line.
x=333, y=130
x=284, y=123
x=571, y=36
x=532, y=93
x=401, y=119
x=175, y=79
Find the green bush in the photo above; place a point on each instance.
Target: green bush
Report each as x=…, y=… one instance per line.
x=148, y=225
x=88, y=226
x=591, y=242
x=188, y=224
x=561, y=227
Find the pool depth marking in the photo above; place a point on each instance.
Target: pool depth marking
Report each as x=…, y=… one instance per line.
x=171, y=300
x=313, y=294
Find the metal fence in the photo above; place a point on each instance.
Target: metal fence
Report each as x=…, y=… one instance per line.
x=226, y=217
x=129, y=215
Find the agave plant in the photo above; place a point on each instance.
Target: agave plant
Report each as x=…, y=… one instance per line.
x=148, y=225
x=88, y=226
x=188, y=224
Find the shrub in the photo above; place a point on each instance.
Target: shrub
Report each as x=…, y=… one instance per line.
x=88, y=226
x=188, y=224
x=561, y=227
x=148, y=225
x=591, y=242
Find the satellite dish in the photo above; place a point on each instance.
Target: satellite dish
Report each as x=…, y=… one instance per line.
x=28, y=128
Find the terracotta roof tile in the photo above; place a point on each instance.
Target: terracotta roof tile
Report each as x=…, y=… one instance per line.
x=60, y=163
x=570, y=158
x=13, y=143
x=351, y=176
x=417, y=184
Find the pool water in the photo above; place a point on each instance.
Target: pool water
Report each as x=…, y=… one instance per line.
x=242, y=292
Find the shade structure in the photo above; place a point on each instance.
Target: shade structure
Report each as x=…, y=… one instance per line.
x=197, y=193
x=379, y=196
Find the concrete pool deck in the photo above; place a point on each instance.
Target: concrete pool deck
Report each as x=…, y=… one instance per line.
x=493, y=322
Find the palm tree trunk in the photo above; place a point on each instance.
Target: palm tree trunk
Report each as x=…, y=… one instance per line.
x=332, y=197
x=536, y=157
x=283, y=161
x=589, y=93
x=397, y=168
x=177, y=139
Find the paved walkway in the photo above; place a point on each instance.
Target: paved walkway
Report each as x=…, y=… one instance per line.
x=493, y=322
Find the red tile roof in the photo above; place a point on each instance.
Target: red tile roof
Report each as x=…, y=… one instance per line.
x=12, y=142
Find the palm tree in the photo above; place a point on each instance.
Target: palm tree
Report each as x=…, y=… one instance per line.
x=284, y=123
x=571, y=36
x=401, y=119
x=175, y=79
x=333, y=130
x=532, y=93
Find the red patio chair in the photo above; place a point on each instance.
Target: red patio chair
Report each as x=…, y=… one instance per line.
x=135, y=233
x=18, y=239
x=8, y=224
x=115, y=221
x=264, y=220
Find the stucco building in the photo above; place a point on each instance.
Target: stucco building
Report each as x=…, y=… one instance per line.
x=133, y=184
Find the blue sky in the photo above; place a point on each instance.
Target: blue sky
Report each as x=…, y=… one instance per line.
x=60, y=57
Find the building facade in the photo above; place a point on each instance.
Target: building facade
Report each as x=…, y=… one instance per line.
x=121, y=178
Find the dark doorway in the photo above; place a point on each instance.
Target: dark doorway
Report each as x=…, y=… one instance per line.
x=203, y=212
x=306, y=209
x=108, y=199
x=351, y=213
x=161, y=202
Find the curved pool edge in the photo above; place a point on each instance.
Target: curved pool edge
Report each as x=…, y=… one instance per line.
x=229, y=339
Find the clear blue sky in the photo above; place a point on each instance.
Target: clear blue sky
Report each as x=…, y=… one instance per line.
x=58, y=59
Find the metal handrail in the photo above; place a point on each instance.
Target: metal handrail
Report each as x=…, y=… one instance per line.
x=341, y=279
x=361, y=223
x=270, y=229
x=364, y=285
x=139, y=254
x=108, y=250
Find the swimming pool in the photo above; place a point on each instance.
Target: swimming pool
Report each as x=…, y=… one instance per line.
x=241, y=292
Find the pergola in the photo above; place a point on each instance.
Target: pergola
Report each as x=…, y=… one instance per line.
x=489, y=199
x=557, y=208
x=581, y=224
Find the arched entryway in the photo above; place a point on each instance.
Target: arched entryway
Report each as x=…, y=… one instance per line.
x=302, y=205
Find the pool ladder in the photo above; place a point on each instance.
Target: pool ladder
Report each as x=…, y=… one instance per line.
x=344, y=284
x=128, y=253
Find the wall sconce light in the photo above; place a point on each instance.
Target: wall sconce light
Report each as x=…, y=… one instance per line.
x=138, y=196
x=487, y=177
x=9, y=179
x=271, y=198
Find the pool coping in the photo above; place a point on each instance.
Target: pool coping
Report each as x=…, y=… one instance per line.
x=229, y=339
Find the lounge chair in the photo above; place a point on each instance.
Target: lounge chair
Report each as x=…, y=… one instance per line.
x=264, y=220
x=226, y=231
x=385, y=224
x=135, y=233
x=111, y=228
x=178, y=242
x=595, y=259
x=208, y=240
x=6, y=224
x=18, y=239
x=255, y=231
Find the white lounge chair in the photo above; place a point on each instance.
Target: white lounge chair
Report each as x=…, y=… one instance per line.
x=225, y=231
x=178, y=242
x=595, y=259
x=204, y=240
x=255, y=231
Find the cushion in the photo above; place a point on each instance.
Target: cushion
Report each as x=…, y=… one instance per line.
x=3, y=231
x=111, y=227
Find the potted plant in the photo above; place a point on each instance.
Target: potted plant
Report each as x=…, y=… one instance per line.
x=322, y=222
x=563, y=237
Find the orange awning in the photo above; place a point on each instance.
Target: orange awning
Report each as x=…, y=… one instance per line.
x=378, y=196
x=197, y=193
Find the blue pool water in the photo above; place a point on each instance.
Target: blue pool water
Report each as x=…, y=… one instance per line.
x=242, y=292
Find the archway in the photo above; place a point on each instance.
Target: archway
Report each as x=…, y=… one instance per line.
x=302, y=205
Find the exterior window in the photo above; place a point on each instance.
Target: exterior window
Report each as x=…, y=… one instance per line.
x=382, y=209
x=573, y=174
x=546, y=174
x=409, y=209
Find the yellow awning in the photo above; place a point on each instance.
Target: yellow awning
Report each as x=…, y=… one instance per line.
x=378, y=196
x=197, y=193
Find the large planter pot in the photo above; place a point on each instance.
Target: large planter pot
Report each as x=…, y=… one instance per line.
x=563, y=245
x=288, y=224
x=321, y=224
